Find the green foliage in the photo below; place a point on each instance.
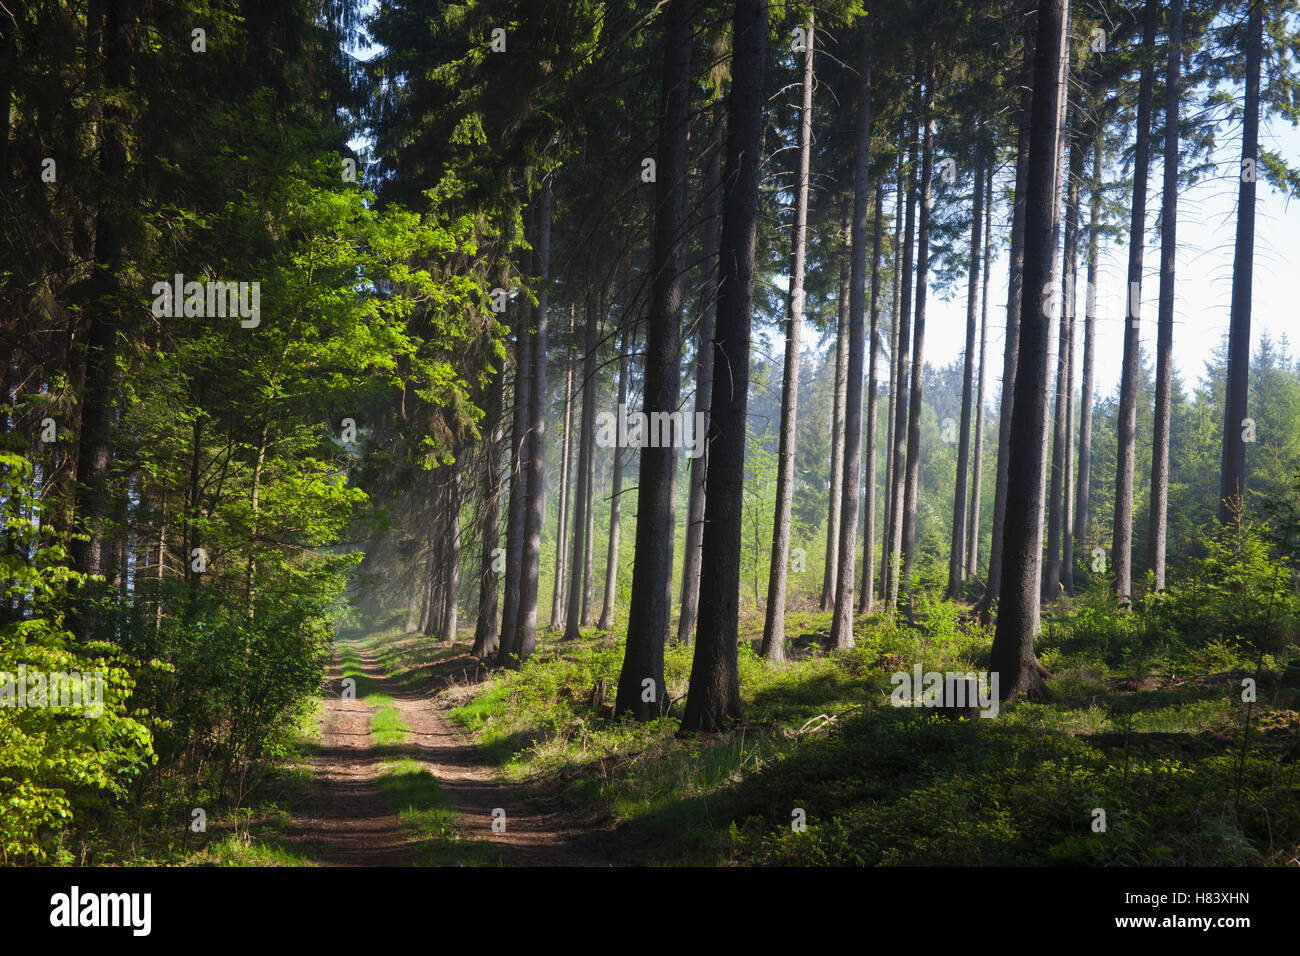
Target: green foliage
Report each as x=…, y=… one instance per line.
x=57, y=751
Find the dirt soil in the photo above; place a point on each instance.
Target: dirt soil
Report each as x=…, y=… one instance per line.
x=346, y=820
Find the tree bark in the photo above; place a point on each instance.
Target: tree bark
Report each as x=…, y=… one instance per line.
x=1011, y=349
x=703, y=383
x=903, y=319
x=836, y=491
x=1158, y=517
x=977, y=476
x=1058, y=521
x=1089, y=346
x=1126, y=454
x=1232, y=485
x=566, y=453
x=515, y=510
x=485, y=623
x=650, y=611
x=866, y=597
x=956, y=558
x=714, y=695
x=886, y=540
x=1012, y=657
x=94, y=453
x=773, y=645
x=580, y=552
x=534, y=470
x=606, y=622
x=918, y=335
x=842, y=619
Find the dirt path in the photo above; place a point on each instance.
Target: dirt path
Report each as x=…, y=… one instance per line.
x=347, y=821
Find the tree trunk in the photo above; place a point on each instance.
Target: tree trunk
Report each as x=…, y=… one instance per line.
x=703, y=383
x=581, y=545
x=606, y=622
x=485, y=624
x=1011, y=350
x=977, y=469
x=773, y=646
x=1012, y=657
x=1058, y=521
x=94, y=452
x=1232, y=486
x=898, y=453
x=1071, y=286
x=836, y=491
x=1122, y=538
x=515, y=510
x=886, y=539
x=1089, y=345
x=714, y=695
x=918, y=335
x=451, y=550
x=956, y=558
x=842, y=620
x=566, y=453
x=866, y=599
x=1158, y=518
x=641, y=690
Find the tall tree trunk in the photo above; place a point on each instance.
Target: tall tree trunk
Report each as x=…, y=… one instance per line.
x=866, y=599
x=581, y=545
x=1071, y=290
x=913, y=476
x=1089, y=345
x=703, y=381
x=589, y=534
x=606, y=622
x=566, y=453
x=534, y=465
x=714, y=695
x=1158, y=517
x=898, y=453
x=518, y=482
x=641, y=691
x=94, y=453
x=773, y=645
x=451, y=550
x=842, y=620
x=957, y=556
x=1232, y=486
x=485, y=623
x=1126, y=454
x=1011, y=348
x=1012, y=657
x=886, y=538
x=977, y=469
x=835, y=493
x=1058, y=520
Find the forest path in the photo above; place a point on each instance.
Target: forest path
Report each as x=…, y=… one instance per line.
x=349, y=820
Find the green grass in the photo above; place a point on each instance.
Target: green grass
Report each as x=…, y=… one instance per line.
x=431, y=818
x=412, y=792
x=1142, y=726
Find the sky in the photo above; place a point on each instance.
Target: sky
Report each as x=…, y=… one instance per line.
x=1203, y=274
x=1203, y=271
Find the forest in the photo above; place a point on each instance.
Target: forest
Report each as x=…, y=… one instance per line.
x=499, y=433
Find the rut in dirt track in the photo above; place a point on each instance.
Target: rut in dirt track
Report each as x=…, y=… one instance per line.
x=348, y=821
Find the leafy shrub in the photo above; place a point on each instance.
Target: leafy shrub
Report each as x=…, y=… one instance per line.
x=54, y=756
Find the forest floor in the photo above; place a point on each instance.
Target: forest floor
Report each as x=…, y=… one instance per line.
x=394, y=783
